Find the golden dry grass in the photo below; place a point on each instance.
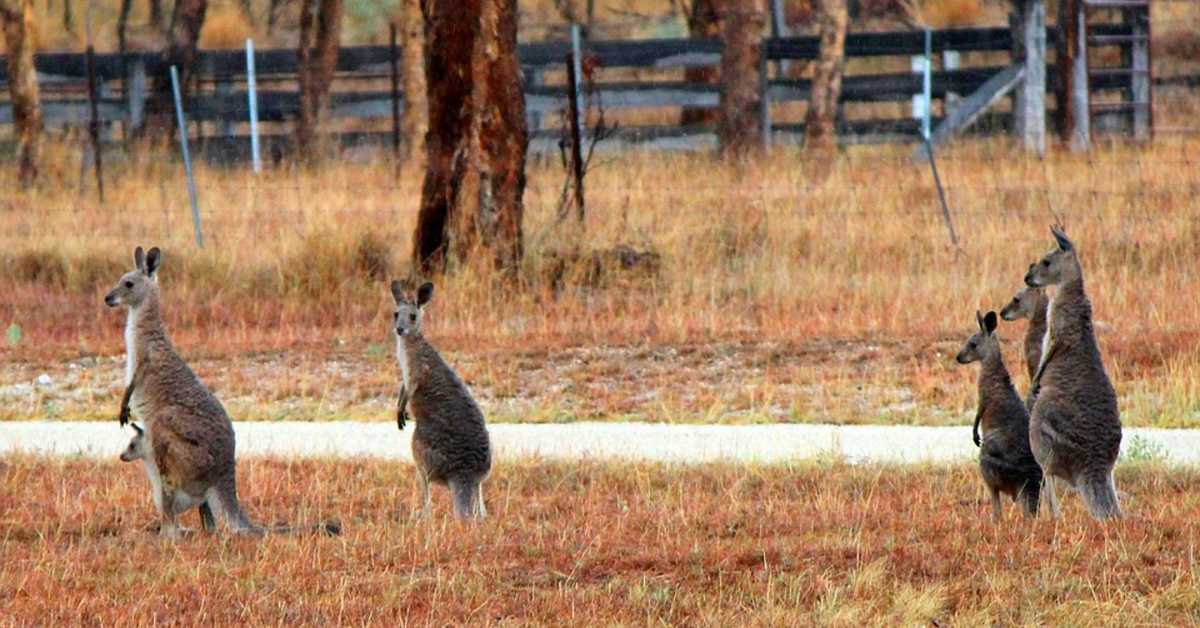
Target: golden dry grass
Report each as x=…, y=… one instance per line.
x=592, y=544
x=791, y=289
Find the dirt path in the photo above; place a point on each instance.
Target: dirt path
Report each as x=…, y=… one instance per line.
x=632, y=441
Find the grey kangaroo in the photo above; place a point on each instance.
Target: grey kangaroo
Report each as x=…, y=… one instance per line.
x=1005, y=461
x=139, y=449
x=1075, y=427
x=1030, y=304
x=450, y=443
x=190, y=437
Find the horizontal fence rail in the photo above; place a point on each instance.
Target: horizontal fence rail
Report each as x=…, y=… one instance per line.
x=221, y=97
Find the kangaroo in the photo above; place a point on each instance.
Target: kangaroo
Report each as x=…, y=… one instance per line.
x=450, y=443
x=1075, y=427
x=139, y=449
x=1031, y=304
x=189, y=436
x=1005, y=461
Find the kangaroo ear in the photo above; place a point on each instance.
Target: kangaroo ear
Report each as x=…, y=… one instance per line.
x=397, y=291
x=989, y=323
x=424, y=294
x=139, y=259
x=979, y=319
x=153, y=260
x=1064, y=243
x=137, y=429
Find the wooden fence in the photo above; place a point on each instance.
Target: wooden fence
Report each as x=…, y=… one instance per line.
x=361, y=91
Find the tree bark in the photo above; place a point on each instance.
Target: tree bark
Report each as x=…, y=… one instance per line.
x=471, y=202
x=182, y=37
x=122, y=25
x=702, y=23
x=742, y=23
x=316, y=60
x=273, y=10
x=415, y=121
x=819, y=123
x=156, y=13
x=1074, y=115
x=18, y=19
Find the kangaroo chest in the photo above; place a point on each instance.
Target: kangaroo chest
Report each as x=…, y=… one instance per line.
x=402, y=358
x=130, y=345
x=1048, y=337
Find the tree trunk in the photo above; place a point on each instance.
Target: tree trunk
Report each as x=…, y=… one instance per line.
x=471, y=202
x=18, y=19
x=1074, y=115
x=156, y=13
x=316, y=59
x=273, y=10
x=248, y=9
x=819, y=131
x=183, y=35
x=702, y=23
x=742, y=23
x=122, y=24
x=415, y=122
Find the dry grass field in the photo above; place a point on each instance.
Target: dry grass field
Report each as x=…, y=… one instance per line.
x=593, y=544
x=790, y=289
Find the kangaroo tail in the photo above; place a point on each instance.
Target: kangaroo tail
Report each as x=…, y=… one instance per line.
x=465, y=493
x=1031, y=496
x=223, y=498
x=327, y=528
x=1099, y=494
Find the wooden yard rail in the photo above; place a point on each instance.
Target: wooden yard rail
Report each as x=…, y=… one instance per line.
x=220, y=96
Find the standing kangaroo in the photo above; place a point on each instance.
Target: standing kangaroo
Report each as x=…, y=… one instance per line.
x=1031, y=304
x=450, y=443
x=190, y=437
x=1005, y=461
x=139, y=449
x=1075, y=428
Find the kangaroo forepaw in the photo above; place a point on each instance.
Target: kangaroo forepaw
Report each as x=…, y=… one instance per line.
x=401, y=418
x=123, y=417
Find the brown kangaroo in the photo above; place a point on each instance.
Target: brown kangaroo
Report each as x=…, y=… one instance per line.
x=1005, y=461
x=191, y=440
x=1075, y=427
x=1031, y=304
x=450, y=443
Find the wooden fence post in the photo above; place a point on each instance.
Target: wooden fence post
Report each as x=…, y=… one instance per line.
x=94, y=122
x=779, y=28
x=135, y=94
x=1143, y=114
x=394, y=62
x=764, y=95
x=224, y=92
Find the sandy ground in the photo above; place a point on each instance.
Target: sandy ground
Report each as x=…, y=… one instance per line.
x=628, y=441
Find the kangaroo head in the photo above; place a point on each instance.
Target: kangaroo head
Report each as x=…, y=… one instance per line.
x=1025, y=303
x=135, y=285
x=406, y=319
x=982, y=344
x=1057, y=266
x=138, y=448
